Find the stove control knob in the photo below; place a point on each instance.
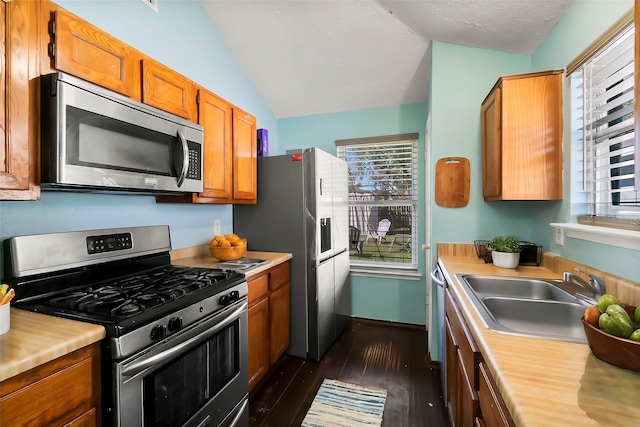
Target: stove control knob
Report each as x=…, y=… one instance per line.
x=225, y=300
x=234, y=295
x=159, y=332
x=175, y=324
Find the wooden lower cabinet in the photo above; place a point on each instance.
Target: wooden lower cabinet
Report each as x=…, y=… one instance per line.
x=63, y=392
x=472, y=397
x=269, y=332
x=494, y=410
x=258, y=342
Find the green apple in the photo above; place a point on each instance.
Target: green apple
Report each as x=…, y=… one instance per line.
x=636, y=315
x=605, y=301
x=635, y=336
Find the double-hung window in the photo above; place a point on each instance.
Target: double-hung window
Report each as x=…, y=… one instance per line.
x=383, y=195
x=602, y=100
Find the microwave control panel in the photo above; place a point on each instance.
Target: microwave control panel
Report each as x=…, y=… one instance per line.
x=193, y=172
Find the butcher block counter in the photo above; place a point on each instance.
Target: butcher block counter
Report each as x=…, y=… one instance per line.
x=199, y=256
x=544, y=382
x=35, y=339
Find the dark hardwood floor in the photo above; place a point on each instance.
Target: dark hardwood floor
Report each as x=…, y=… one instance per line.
x=368, y=353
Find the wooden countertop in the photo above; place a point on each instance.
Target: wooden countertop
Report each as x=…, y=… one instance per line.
x=544, y=382
x=35, y=339
x=203, y=259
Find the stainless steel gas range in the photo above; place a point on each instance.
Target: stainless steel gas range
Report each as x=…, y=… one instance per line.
x=176, y=346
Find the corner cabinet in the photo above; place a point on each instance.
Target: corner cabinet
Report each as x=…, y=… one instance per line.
x=269, y=312
x=521, y=120
x=63, y=392
x=19, y=101
x=472, y=397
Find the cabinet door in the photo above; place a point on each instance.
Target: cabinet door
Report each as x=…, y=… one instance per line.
x=167, y=90
x=532, y=138
x=279, y=325
x=215, y=115
x=19, y=101
x=492, y=145
x=258, y=347
x=86, y=51
x=245, y=161
x=467, y=405
x=494, y=410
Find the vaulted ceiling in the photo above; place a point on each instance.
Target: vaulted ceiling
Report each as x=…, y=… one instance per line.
x=310, y=57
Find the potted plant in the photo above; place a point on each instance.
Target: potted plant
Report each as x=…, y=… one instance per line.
x=505, y=251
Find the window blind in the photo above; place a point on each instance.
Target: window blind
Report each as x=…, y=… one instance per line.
x=385, y=170
x=383, y=194
x=605, y=102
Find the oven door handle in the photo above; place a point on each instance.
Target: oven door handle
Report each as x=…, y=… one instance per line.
x=167, y=355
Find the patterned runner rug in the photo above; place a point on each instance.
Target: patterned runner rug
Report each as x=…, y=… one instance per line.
x=342, y=404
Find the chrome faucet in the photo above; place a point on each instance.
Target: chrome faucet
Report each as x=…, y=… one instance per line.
x=595, y=285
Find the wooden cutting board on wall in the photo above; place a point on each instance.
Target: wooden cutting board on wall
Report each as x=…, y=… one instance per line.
x=452, y=182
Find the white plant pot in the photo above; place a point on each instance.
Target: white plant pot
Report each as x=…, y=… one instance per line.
x=505, y=259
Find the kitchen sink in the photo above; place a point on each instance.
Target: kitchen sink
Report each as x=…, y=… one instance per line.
x=541, y=308
x=518, y=288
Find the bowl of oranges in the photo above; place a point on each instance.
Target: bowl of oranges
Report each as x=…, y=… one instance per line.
x=227, y=248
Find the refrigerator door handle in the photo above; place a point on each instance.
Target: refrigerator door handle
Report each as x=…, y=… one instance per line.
x=321, y=186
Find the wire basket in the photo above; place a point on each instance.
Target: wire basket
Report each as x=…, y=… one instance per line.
x=529, y=252
x=482, y=250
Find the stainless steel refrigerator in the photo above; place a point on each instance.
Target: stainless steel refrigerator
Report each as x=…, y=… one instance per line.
x=303, y=209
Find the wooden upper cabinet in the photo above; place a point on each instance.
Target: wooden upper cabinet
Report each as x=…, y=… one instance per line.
x=215, y=115
x=19, y=101
x=521, y=122
x=81, y=49
x=167, y=90
x=245, y=160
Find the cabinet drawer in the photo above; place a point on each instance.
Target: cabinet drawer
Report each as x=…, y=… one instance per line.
x=494, y=410
x=258, y=288
x=53, y=400
x=470, y=353
x=279, y=276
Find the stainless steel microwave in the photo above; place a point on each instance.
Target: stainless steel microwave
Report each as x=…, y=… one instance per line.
x=94, y=140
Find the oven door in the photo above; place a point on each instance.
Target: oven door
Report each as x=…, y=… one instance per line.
x=197, y=377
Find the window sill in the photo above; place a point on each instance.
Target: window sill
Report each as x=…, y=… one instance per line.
x=386, y=273
x=609, y=236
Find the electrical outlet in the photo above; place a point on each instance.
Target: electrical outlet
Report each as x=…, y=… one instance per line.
x=216, y=227
x=559, y=236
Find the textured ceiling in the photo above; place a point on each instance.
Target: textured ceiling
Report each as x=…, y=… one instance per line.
x=322, y=56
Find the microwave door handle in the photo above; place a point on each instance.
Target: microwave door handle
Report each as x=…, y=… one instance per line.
x=181, y=158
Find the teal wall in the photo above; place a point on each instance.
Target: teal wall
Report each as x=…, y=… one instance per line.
x=461, y=77
x=372, y=298
x=581, y=25
x=180, y=36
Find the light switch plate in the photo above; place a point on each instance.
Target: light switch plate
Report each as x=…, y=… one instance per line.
x=216, y=227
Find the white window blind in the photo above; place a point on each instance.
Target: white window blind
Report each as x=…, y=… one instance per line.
x=603, y=94
x=383, y=193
